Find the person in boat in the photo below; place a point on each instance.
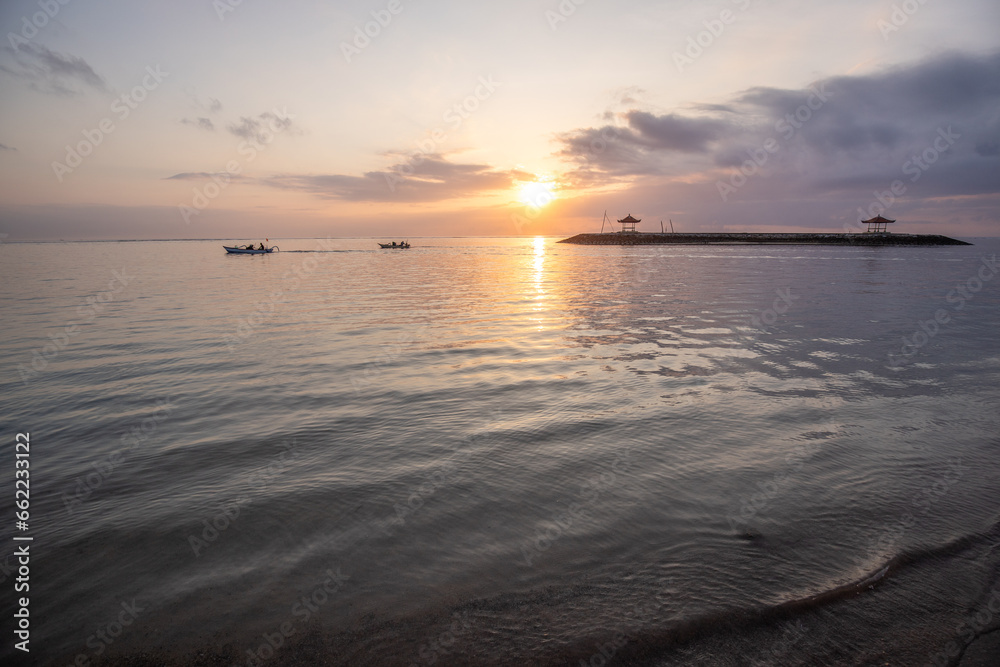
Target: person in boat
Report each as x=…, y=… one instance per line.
x=393, y=244
x=261, y=246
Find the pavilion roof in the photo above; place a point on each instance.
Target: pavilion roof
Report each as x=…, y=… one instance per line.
x=877, y=219
x=629, y=218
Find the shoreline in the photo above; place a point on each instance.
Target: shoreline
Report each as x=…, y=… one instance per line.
x=762, y=238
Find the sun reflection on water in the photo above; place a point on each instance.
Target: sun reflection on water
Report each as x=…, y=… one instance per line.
x=539, y=278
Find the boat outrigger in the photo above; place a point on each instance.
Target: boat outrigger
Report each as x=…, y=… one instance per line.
x=402, y=246
x=250, y=249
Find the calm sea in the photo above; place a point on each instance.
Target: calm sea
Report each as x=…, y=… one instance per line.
x=500, y=451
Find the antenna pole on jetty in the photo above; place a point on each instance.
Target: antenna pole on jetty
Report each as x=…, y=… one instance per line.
x=671, y=226
x=603, y=219
x=661, y=226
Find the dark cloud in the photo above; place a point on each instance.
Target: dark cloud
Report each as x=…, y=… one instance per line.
x=722, y=108
x=646, y=144
x=202, y=175
x=51, y=72
x=261, y=128
x=988, y=148
x=5, y=147
x=425, y=179
x=200, y=122
x=644, y=137
x=839, y=133
x=212, y=106
x=630, y=95
x=674, y=133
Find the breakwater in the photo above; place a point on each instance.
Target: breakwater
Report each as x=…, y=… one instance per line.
x=727, y=238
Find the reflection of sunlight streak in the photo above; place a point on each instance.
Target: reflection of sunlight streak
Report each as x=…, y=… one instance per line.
x=539, y=268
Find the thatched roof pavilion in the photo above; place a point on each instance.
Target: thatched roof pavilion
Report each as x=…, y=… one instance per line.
x=629, y=223
x=877, y=225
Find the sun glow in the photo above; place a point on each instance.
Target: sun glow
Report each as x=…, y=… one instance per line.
x=537, y=194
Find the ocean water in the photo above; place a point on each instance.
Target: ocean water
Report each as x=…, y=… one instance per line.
x=500, y=451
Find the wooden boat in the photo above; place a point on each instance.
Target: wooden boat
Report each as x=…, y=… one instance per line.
x=236, y=250
x=401, y=246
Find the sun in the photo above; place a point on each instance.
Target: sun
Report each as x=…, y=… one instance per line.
x=537, y=194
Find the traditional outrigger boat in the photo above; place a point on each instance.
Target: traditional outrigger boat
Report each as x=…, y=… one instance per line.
x=401, y=246
x=236, y=250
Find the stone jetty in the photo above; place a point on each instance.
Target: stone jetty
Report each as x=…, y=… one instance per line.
x=755, y=238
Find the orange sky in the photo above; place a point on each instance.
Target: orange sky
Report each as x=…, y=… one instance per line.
x=184, y=120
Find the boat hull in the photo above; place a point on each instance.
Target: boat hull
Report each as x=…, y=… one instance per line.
x=243, y=251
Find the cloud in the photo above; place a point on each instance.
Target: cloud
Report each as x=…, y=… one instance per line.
x=201, y=122
x=840, y=132
x=674, y=133
x=262, y=128
x=212, y=106
x=202, y=175
x=431, y=179
x=5, y=147
x=51, y=72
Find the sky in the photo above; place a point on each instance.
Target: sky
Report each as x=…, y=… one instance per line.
x=406, y=118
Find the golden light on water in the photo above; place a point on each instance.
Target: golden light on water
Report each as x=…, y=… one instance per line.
x=539, y=245
x=539, y=261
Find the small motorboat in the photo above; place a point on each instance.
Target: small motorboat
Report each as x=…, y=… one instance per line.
x=400, y=246
x=236, y=250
